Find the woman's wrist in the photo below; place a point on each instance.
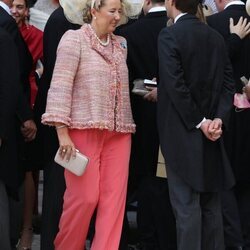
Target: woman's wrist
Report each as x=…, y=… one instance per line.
x=60, y=126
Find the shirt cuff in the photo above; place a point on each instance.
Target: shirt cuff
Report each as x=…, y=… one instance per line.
x=199, y=125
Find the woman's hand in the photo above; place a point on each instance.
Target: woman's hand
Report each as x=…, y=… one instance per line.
x=241, y=29
x=67, y=147
x=246, y=90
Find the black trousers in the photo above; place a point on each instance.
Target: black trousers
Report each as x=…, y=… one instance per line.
x=198, y=216
x=53, y=191
x=242, y=192
x=155, y=219
x=231, y=219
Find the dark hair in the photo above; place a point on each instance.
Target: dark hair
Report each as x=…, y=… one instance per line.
x=29, y=3
x=189, y=6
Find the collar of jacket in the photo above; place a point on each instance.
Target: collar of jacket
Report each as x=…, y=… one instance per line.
x=187, y=17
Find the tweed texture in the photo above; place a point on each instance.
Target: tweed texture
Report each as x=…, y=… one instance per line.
x=89, y=87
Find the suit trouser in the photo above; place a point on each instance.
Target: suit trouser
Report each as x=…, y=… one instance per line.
x=10, y=218
x=53, y=191
x=155, y=219
x=242, y=190
x=4, y=219
x=198, y=216
x=103, y=185
x=231, y=219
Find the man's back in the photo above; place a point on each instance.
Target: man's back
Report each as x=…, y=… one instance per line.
x=193, y=70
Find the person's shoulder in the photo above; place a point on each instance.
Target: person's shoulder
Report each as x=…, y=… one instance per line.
x=4, y=34
x=5, y=17
x=3, y=12
x=72, y=34
x=133, y=27
x=58, y=22
x=5, y=38
x=167, y=34
x=57, y=15
x=72, y=37
x=119, y=38
x=121, y=41
x=35, y=30
x=217, y=18
x=213, y=34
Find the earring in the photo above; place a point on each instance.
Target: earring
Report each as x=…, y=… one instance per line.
x=94, y=17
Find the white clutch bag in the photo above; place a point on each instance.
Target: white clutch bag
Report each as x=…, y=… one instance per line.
x=75, y=165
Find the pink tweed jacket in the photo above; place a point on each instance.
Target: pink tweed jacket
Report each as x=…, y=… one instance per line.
x=89, y=87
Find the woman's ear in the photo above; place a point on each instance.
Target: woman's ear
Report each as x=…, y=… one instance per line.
x=93, y=13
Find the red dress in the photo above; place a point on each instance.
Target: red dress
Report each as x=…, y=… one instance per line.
x=34, y=40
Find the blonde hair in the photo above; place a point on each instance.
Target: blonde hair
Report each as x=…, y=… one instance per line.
x=200, y=13
x=128, y=11
x=79, y=11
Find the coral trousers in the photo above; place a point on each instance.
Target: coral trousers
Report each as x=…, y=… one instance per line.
x=102, y=186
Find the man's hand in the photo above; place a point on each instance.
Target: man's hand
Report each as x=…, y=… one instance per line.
x=152, y=95
x=204, y=128
x=215, y=129
x=241, y=29
x=28, y=130
x=212, y=129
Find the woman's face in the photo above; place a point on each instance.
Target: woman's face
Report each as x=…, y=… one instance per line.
x=19, y=11
x=108, y=16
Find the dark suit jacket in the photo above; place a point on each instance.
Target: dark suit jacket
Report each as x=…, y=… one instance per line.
x=11, y=174
x=195, y=82
x=238, y=137
x=142, y=60
x=9, y=90
x=56, y=26
x=25, y=64
x=239, y=50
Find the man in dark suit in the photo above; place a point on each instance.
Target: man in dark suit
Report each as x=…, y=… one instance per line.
x=154, y=214
x=9, y=90
x=25, y=126
x=54, y=184
x=237, y=138
x=195, y=97
x=25, y=63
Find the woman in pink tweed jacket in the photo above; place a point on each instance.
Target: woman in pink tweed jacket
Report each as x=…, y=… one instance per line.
x=88, y=103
